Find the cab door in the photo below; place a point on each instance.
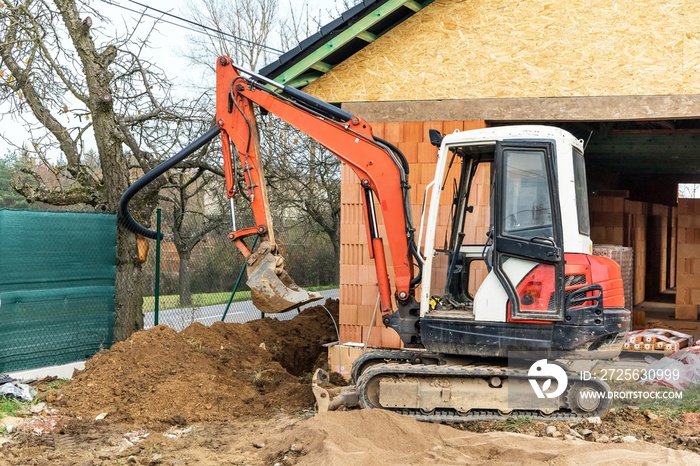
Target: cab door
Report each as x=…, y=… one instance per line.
x=528, y=254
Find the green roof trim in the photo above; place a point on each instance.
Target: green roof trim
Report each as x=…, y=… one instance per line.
x=415, y=6
x=367, y=36
x=322, y=67
x=301, y=72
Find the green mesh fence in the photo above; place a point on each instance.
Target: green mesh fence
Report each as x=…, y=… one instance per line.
x=57, y=273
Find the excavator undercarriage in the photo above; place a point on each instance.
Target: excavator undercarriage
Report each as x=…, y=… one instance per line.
x=435, y=388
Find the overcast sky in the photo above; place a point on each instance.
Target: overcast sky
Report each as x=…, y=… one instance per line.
x=168, y=43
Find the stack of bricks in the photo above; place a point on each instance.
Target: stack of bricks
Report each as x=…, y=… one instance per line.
x=688, y=247
x=607, y=220
x=358, y=289
x=658, y=246
x=636, y=213
x=621, y=222
x=673, y=247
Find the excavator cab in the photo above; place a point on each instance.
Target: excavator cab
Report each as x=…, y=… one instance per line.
x=509, y=275
x=512, y=267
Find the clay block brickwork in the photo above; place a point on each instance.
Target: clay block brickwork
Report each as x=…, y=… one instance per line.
x=688, y=271
x=358, y=290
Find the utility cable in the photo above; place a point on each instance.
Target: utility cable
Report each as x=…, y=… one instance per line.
x=194, y=23
x=222, y=33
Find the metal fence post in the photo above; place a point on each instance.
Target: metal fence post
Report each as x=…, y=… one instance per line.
x=157, y=285
x=238, y=282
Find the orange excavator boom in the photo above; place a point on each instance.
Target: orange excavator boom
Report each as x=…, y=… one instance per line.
x=380, y=167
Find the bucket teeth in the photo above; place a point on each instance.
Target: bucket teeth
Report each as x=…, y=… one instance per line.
x=272, y=290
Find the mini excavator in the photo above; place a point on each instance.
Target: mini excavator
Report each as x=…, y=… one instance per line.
x=544, y=290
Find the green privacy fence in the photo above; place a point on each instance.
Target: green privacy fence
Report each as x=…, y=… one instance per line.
x=57, y=273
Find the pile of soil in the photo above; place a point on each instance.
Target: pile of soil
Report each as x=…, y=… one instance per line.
x=212, y=373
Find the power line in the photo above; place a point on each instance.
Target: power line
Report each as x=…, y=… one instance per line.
x=108, y=2
x=217, y=31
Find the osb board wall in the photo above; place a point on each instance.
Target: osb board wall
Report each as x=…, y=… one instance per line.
x=688, y=265
x=501, y=48
x=358, y=289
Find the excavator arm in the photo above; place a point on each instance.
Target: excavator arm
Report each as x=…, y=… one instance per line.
x=380, y=167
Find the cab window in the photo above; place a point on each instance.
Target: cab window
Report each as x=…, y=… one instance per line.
x=526, y=196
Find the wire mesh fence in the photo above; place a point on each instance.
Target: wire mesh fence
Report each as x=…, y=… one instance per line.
x=196, y=284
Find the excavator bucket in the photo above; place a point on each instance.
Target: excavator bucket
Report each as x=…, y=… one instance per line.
x=271, y=288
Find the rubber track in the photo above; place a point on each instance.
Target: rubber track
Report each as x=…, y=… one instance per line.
x=449, y=415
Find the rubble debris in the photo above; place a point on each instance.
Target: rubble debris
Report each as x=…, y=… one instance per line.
x=680, y=370
x=21, y=391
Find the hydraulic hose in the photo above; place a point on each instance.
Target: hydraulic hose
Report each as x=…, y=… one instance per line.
x=318, y=104
x=125, y=216
x=402, y=162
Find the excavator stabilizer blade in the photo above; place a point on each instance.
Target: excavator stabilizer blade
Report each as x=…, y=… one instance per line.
x=272, y=290
x=330, y=398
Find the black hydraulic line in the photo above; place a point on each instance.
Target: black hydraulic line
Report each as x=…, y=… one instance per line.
x=399, y=154
x=407, y=205
x=319, y=105
x=419, y=263
x=125, y=216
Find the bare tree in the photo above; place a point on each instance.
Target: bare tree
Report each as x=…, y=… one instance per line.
x=194, y=211
x=303, y=180
x=248, y=28
x=71, y=82
x=689, y=190
x=303, y=177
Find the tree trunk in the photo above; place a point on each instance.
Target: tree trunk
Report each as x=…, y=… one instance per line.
x=335, y=241
x=128, y=287
x=185, y=279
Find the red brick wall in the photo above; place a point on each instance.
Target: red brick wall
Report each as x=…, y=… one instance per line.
x=358, y=289
x=688, y=262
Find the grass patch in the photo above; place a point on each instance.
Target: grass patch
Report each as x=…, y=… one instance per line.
x=172, y=301
x=672, y=407
x=9, y=406
x=56, y=384
x=515, y=424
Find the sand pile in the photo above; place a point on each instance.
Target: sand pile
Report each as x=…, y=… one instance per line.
x=203, y=373
x=370, y=437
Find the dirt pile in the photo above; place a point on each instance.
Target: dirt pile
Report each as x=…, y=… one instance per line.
x=203, y=373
